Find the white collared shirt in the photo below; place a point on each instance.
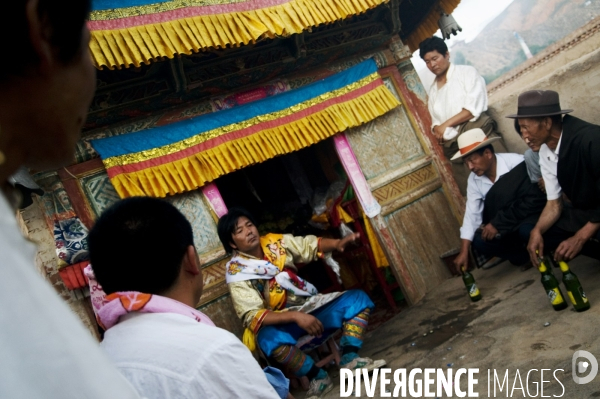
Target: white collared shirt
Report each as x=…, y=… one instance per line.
x=549, y=167
x=171, y=356
x=464, y=88
x=477, y=189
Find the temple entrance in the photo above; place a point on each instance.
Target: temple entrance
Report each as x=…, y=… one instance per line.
x=308, y=193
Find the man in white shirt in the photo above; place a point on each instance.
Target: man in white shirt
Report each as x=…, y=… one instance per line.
x=155, y=336
x=570, y=165
x=457, y=102
x=486, y=168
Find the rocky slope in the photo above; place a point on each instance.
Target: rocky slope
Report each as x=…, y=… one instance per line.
x=539, y=22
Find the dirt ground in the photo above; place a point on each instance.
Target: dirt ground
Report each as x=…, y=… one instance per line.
x=506, y=330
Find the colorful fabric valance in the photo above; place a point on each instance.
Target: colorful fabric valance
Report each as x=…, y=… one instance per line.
x=132, y=32
x=186, y=155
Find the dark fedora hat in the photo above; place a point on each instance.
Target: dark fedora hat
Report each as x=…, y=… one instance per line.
x=536, y=103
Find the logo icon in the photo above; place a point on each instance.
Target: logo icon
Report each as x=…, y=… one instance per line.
x=581, y=366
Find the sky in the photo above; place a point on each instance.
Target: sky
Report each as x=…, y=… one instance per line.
x=472, y=16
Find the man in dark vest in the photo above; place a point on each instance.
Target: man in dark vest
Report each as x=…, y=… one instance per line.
x=500, y=198
x=569, y=150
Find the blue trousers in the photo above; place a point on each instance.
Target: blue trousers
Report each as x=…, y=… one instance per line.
x=332, y=316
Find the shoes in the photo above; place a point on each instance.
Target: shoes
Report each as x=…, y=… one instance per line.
x=319, y=388
x=363, y=363
x=495, y=261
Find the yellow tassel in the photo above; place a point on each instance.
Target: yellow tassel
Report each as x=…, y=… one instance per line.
x=344, y=217
x=380, y=258
x=249, y=339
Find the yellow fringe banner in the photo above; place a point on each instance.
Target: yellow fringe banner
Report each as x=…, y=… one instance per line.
x=137, y=35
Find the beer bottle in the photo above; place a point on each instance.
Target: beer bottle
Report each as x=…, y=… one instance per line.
x=574, y=288
x=550, y=283
x=472, y=289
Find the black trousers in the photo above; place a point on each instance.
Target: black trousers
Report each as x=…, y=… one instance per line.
x=555, y=235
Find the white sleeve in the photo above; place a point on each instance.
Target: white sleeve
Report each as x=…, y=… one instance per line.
x=553, y=189
x=234, y=373
x=475, y=93
x=434, y=119
x=473, y=212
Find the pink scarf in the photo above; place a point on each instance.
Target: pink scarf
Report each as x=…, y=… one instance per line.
x=109, y=308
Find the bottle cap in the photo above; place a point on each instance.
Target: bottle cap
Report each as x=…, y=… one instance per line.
x=563, y=266
x=542, y=267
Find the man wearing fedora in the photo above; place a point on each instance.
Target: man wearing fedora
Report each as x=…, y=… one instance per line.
x=569, y=150
x=500, y=198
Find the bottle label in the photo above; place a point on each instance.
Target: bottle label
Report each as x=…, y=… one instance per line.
x=473, y=290
x=555, y=297
x=583, y=297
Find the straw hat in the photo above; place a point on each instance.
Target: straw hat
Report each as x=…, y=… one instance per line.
x=471, y=141
x=537, y=103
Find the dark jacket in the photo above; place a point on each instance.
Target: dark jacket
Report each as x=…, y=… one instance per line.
x=578, y=169
x=513, y=200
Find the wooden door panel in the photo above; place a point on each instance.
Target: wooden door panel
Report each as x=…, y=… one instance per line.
x=423, y=230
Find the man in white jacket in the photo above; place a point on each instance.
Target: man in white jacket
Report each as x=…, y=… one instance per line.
x=457, y=102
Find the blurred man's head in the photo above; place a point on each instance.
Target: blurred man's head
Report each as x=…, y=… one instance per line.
x=434, y=52
x=47, y=79
x=237, y=231
x=145, y=244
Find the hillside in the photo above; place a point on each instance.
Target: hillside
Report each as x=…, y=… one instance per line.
x=539, y=22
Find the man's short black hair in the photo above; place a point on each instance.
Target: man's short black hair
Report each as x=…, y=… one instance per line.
x=433, y=44
x=482, y=150
x=65, y=19
x=227, y=224
x=138, y=244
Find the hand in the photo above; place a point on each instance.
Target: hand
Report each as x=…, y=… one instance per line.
x=568, y=249
x=309, y=323
x=350, y=238
x=438, y=131
x=535, y=247
x=489, y=232
x=462, y=260
x=542, y=184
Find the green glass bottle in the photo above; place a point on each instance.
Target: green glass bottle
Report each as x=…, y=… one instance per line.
x=550, y=284
x=574, y=289
x=472, y=289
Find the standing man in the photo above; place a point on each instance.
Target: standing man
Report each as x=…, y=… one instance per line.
x=511, y=205
x=457, y=100
x=570, y=164
x=277, y=307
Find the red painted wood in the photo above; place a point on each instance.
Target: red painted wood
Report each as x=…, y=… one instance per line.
x=70, y=178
